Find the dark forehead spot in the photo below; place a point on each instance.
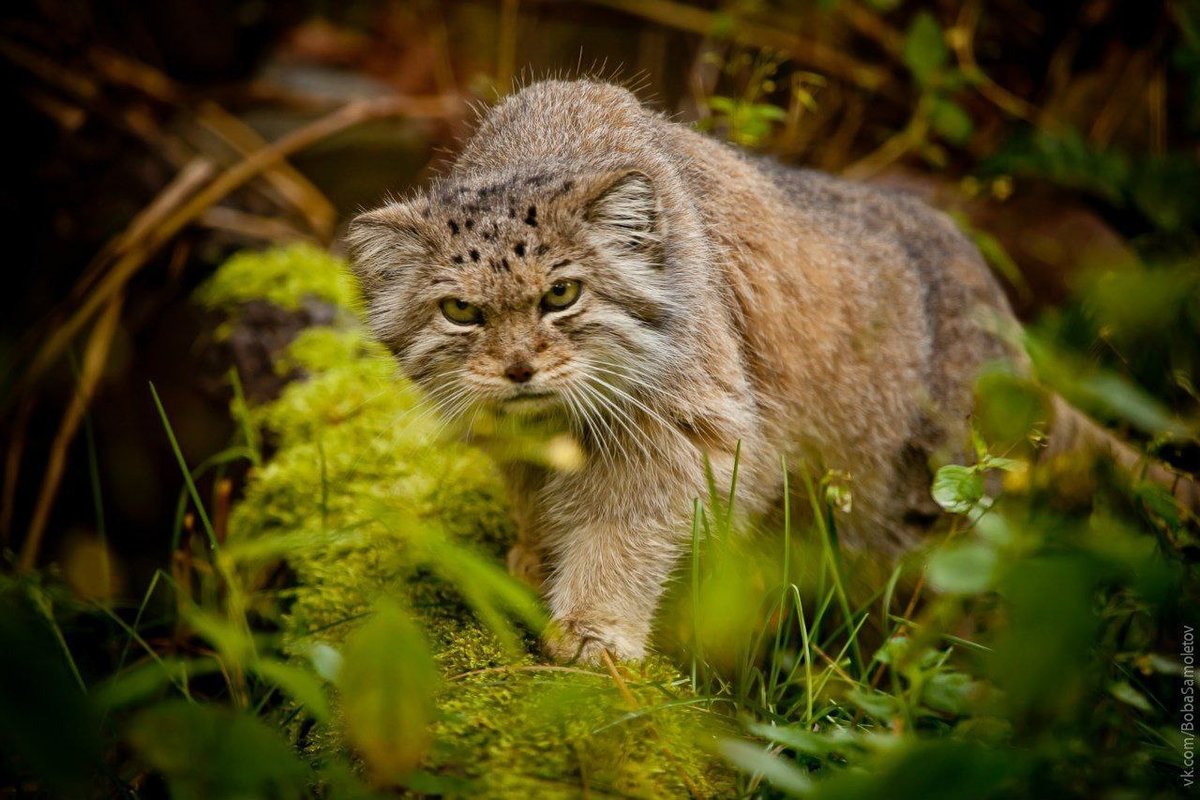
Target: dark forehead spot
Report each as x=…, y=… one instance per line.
x=512, y=212
x=453, y=228
x=474, y=255
x=531, y=217
x=457, y=259
x=469, y=224
x=520, y=249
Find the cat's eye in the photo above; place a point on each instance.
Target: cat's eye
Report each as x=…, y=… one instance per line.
x=562, y=294
x=460, y=312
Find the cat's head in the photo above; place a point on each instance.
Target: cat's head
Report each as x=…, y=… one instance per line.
x=524, y=292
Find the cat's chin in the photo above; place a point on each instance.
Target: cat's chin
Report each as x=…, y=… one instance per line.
x=539, y=404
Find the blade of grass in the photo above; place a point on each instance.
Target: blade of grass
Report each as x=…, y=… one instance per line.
x=241, y=411
x=93, y=461
x=697, y=647
x=831, y=558
x=42, y=603
x=187, y=473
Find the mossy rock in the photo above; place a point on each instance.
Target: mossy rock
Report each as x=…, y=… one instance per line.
x=358, y=482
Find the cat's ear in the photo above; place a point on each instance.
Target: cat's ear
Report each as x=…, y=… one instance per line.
x=384, y=244
x=622, y=212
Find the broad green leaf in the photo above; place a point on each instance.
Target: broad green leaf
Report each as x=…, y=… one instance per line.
x=1002, y=464
x=492, y=593
x=877, y=704
x=1105, y=391
x=925, y=48
x=208, y=752
x=147, y=679
x=1008, y=408
x=387, y=683
x=49, y=733
x=232, y=642
x=303, y=686
x=754, y=759
x=798, y=739
x=967, y=568
x=950, y=121
x=957, y=488
x=950, y=692
x=1130, y=696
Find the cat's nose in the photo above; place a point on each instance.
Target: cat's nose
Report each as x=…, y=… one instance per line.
x=520, y=372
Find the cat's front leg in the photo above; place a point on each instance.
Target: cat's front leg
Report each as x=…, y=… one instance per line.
x=527, y=556
x=604, y=587
x=525, y=563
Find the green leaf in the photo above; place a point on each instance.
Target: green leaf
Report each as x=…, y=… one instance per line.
x=212, y=752
x=303, y=686
x=1107, y=392
x=968, y=568
x=1002, y=464
x=925, y=48
x=1158, y=499
x=950, y=692
x=325, y=660
x=998, y=257
x=146, y=680
x=721, y=105
x=233, y=642
x=877, y=704
x=754, y=759
x=1009, y=408
x=492, y=593
x=950, y=121
x=798, y=739
x=49, y=731
x=387, y=683
x=957, y=488
x=1130, y=696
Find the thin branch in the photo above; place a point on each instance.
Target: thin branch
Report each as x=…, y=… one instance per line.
x=192, y=207
x=94, y=359
x=962, y=40
x=820, y=56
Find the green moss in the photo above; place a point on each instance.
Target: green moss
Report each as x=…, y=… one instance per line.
x=284, y=276
x=358, y=486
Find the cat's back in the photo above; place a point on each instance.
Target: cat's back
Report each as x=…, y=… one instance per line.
x=579, y=124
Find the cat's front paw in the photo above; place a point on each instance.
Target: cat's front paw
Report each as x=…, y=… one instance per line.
x=578, y=641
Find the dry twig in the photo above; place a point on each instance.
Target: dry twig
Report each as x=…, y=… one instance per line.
x=818, y=55
x=94, y=358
